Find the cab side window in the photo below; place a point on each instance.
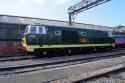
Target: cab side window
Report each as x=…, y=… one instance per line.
x=33, y=30
x=42, y=30
x=99, y=35
x=111, y=34
x=57, y=32
x=105, y=35
x=83, y=33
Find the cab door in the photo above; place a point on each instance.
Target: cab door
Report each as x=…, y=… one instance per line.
x=41, y=33
x=31, y=35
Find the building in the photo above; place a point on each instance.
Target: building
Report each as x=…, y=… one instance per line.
x=12, y=28
x=120, y=29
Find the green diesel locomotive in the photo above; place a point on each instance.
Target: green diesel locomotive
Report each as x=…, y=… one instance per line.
x=47, y=39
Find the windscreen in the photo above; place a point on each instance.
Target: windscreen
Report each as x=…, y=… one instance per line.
x=35, y=30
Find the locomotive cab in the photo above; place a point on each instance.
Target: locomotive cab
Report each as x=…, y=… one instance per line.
x=32, y=36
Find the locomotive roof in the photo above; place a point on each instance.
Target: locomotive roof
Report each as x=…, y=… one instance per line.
x=28, y=20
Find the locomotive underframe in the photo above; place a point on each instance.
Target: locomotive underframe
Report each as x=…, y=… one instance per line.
x=53, y=50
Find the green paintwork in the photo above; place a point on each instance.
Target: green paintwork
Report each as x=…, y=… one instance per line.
x=32, y=47
x=69, y=38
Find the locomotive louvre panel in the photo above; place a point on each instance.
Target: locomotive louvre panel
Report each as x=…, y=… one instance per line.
x=99, y=37
x=93, y=37
x=57, y=36
x=90, y=37
x=69, y=37
x=96, y=37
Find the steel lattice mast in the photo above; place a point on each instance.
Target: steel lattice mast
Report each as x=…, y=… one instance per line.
x=82, y=6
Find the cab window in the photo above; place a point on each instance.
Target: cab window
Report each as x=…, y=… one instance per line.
x=57, y=32
x=99, y=35
x=33, y=30
x=42, y=30
x=105, y=35
x=83, y=33
x=111, y=34
x=26, y=30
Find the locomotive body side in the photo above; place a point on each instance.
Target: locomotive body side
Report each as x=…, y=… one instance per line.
x=44, y=39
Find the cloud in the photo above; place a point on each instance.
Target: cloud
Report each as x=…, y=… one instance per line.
x=23, y=2
x=42, y=2
x=60, y=2
x=37, y=2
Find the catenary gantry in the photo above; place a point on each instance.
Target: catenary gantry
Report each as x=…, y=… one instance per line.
x=82, y=6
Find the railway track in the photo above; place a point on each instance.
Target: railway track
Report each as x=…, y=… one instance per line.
x=117, y=76
x=16, y=58
x=27, y=68
x=10, y=58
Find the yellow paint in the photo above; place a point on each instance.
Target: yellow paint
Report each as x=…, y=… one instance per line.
x=23, y=42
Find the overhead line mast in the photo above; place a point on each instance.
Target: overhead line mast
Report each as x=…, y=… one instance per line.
x=83, y=6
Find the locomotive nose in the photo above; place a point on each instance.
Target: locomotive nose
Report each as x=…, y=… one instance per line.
x=23, y=42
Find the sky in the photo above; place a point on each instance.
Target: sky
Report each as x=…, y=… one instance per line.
x=111, y=13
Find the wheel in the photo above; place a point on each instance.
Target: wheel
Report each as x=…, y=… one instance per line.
x=25, y=54
x=37, y=53
x=69, y=52
x=109, y=49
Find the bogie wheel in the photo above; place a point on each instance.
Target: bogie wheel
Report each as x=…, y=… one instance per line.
x=109, y=49
x=25, y=54
x=37, y=53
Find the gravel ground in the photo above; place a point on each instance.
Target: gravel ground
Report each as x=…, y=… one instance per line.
x=118, y=77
